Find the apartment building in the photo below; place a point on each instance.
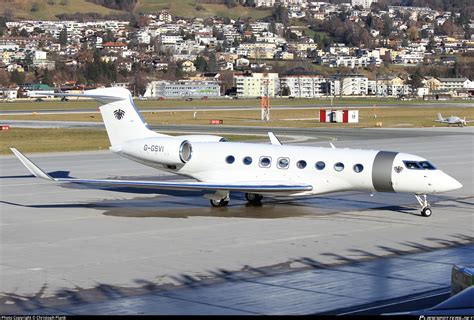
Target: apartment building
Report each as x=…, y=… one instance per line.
x=305, y=86
x=354, y=85
x=363, y=3
x=257, y=50
x=387, y=88
x=453, y=84
x=264, y=3
x=257, y=84
x=409, y=58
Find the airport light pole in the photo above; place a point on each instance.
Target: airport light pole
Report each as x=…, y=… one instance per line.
x=265, y=99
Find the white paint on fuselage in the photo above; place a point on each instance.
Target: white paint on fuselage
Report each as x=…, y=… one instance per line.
x=420, y=181
x=208, y=164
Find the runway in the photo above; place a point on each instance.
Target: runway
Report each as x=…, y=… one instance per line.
x=189, y=108
x=71, y=251
x=323, y=134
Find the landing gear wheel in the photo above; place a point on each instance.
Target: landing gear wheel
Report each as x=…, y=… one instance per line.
x=219, y=203
x=425, y=205
x=253, y=197
x=426, y=212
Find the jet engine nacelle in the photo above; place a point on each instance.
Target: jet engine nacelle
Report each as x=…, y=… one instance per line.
x=171, y=151
x=202, y=138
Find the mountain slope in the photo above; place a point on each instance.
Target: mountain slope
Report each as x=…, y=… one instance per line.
x=49, y=9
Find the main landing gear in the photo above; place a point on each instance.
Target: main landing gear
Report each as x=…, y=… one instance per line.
x=425, y=205
x=222, y=200
x=254, y=198
x=219, y=199
x=219, y=203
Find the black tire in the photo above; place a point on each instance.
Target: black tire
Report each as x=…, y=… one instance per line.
x=219, y=203
x=426, y=212
x=253, y=197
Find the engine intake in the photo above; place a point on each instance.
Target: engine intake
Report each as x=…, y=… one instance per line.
x=168, y=151
x=185, y=151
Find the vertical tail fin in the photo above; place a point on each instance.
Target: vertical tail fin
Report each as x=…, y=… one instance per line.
x=440, y=117
x=122, y=120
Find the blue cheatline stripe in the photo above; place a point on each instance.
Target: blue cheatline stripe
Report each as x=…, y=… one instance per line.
x=191, y=185
x=138, y=112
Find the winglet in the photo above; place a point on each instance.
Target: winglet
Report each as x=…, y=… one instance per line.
x=273, y=139
x=332, y=146
x=34, y=169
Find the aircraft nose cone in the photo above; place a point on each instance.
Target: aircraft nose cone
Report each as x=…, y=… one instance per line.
x=450, y=184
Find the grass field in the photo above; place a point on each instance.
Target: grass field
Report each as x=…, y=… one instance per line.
x=23, y=8
x=46, y=140
x=189, y=9
x=51, y=140
x=48, y=9
x=306, y=118
x=152, y=104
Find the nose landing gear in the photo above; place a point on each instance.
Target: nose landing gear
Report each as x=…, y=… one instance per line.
x=425, y=205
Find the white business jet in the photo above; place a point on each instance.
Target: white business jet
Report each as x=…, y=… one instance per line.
x=255, y=169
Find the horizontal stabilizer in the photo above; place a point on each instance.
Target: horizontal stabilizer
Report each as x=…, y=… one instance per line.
x=122, y=119
x=101, y=95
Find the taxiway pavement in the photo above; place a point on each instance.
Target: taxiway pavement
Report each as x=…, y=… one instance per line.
x=63, y=248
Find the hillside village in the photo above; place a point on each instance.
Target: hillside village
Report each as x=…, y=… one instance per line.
x=306, y=49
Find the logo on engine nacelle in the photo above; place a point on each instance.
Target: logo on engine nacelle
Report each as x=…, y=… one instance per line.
x=119, y=114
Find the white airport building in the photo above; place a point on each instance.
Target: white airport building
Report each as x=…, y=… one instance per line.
x=182, y=89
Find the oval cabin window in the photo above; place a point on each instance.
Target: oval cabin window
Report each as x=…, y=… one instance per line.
x=339, y=166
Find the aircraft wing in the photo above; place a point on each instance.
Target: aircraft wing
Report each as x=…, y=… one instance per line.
x=251, y=186
x=442, y=121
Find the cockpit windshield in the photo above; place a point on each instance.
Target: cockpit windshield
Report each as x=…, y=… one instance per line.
x=426, y=165
x=420, y=165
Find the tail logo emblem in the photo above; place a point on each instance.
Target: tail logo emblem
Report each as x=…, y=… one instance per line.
x=119, y=114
